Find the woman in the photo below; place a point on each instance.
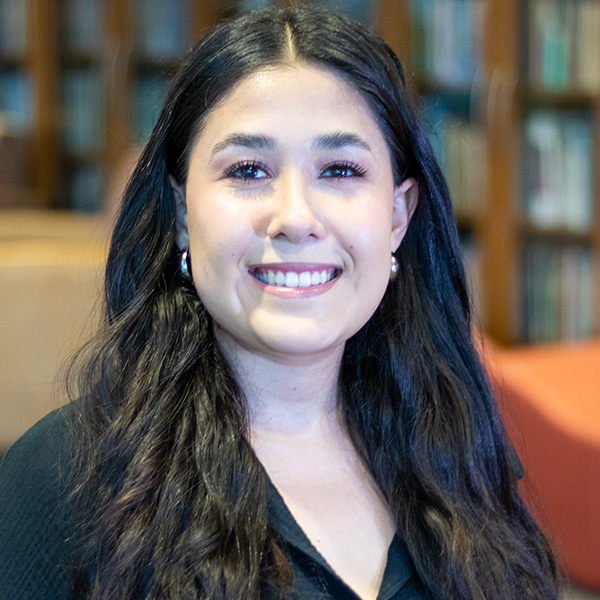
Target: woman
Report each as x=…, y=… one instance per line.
x=285, y=400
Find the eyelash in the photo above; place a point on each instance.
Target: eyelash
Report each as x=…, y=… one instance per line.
x=357, y=170
x=230, y=173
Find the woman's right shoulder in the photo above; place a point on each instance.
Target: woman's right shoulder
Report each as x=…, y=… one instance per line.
x=36, y=524
x=36, y=469
x=44, y=447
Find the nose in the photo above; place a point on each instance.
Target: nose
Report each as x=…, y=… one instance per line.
x=293, y=215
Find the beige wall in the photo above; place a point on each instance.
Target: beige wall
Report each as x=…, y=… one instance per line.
x=50, y=281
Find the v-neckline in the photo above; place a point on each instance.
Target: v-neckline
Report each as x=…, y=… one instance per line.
x=398, y=569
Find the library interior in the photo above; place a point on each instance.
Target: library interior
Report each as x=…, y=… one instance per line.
x=510, y=93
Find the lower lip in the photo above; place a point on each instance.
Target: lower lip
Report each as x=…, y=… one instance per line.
x=295, y=292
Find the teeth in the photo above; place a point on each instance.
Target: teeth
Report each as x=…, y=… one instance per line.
x=305, y=279
x=293, y=279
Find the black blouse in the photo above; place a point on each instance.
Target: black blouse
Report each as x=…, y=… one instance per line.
x=314, y=578
x=35, y=540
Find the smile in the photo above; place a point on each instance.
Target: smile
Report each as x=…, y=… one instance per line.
x=294, y=278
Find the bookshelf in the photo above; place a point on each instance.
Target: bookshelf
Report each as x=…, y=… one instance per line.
x=81, y=83
x=511, y=93
x=444, y=59
x=516, y=84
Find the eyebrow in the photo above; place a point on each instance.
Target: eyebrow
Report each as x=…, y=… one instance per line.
x=332, y=141
x=255, y=142
x=340, y=139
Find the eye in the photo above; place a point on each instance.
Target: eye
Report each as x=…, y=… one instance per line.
x=343, y=170
x=247, y=171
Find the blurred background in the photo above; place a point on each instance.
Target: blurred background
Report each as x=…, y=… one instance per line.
x=510, y=93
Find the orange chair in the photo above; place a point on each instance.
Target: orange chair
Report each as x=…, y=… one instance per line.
x=550, y=400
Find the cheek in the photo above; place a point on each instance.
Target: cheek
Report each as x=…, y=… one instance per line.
x=369, y=238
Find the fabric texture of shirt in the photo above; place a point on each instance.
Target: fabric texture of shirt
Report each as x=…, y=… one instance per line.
x=36, y=534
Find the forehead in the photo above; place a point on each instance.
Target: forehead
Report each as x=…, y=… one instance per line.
x=295, y=101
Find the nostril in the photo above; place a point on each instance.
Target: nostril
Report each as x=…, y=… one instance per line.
x=295, y=225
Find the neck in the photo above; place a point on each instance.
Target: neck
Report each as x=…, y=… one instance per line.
x=286, y=397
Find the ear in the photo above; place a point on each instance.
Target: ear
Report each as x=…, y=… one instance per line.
x=183, y=236
x=406, y=198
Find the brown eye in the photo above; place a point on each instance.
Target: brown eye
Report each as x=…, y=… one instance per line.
x=247, y=171
x=342, y=171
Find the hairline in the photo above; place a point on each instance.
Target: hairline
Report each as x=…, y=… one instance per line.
x=290, y=59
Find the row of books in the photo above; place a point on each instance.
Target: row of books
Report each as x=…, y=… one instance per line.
x=85, y=187
x=459, y=145
x=13, y=26
x=16, y=100
x=559, y=163
x=558, y=292
x=150, y=91
x=82, y=25
x=360, y=10
x=447, y=39
x=163, y=28
x=564, y=44
x=83, y=102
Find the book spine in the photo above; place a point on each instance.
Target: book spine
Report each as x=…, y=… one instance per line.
x=564, y=45
x=447, y=39
x=16, y=100
x=13, y=27
x=83, y=110
x=83, y=25
x=559, y=292
x=559, y=178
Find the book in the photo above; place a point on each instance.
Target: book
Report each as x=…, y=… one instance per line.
x=447, y=39
x=86, y=188
x=83, y=95
x=588, y=46
x=459, y=145
x=13, y=27
x=564, y=44
x=82, y=25
x=559, y=170
x=558, y=292
x=149, y=93
x=16, y=100
x=163, y=28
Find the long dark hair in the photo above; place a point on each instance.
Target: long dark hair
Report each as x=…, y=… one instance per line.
x=175, y=499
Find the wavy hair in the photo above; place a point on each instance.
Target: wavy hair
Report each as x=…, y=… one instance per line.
x=175, y=499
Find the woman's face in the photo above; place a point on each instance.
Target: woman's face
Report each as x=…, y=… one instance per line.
x=291, y=213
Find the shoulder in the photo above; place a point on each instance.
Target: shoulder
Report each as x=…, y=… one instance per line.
x=38, y=459
x=35, y=524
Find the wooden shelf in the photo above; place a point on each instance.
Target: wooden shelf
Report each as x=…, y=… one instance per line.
x=556, y=235
x=541, y=97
